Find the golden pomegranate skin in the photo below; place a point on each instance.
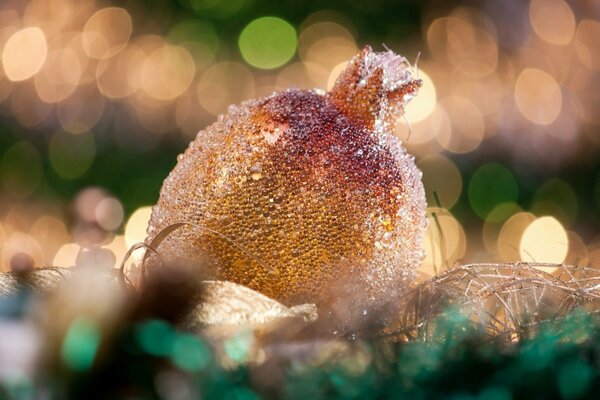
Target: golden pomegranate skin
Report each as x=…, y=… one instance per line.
x=304, y=196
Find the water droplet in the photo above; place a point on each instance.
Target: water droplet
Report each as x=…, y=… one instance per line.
x=226, y=220
x=256, y=172
x=276, y=199
x=386, y=240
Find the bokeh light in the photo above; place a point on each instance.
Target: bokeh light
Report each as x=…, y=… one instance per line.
x=303, y=73
x=71, y=155
x=327, y=44
x=51, y=233
x=135, y=230
x=222, y=83
x=468, y=125
x=509, y=238
x=19, y=242
x=119, y=248
x=493, y=225
x=552, y=20
x=538, y=96
x=556, y=197
x=335, y=73
x=492, y=184
x=198, y=37
x=82, y=110
x=167, y=72
x=441, y=179
x=578, y=252
x=60, y=75
x=268, y=42
x=445, y=243
x=424, y=104
x=66, y=255
x=24, y=54
x=86, y=202
x=586, y=45
x=20, y=170
x=545, y=240
x=106, y=32
x=109, y=213
x=26, y=115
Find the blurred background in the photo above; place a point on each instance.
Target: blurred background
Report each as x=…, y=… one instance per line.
x=98, y=98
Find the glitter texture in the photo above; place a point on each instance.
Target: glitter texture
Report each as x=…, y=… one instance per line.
x=305, y=196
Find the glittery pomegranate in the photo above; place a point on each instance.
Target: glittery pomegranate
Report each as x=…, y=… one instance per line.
x=303, y=195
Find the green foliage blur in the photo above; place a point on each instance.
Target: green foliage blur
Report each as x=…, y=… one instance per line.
x=153, y=359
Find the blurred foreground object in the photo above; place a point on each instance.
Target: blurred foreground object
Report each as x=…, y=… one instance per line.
x=88, y=334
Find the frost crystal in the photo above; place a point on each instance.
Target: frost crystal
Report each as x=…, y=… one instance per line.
x=305, y=196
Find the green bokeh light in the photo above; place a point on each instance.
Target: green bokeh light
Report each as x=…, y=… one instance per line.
x=155, y=337
x=19, y=387
x=491, y=184
x=574, y=379
x=80, y=344
x=71, y=155
x=268, y=42
x=238, y=347
x=199, y=37
x=502, y=212
x=556, y=198
x=190, y=353
x=20, y=170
